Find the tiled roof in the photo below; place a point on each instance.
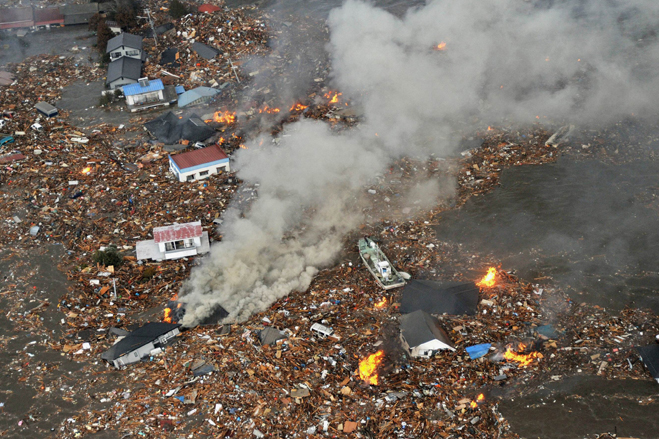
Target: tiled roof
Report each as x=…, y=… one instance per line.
x=135, y=89
x=199, y=157
x=124, y=39
x=206, y=52
x=124, y=67
x=177, y=232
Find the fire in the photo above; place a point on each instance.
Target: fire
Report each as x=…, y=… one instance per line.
x=243, y=146
x=441, y=46
x=381, y=303
x=523, y=359
x=368, y=367
x=480, y=398
x=221, y=141
x=226, y=117
x=489, y=128
x=168, y=316
x=333, y=97
x=87, y=170
x=297, y=107
x=489, y=279
x=267, y=109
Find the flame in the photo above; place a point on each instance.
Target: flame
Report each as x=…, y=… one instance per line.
x=243, y=146
x=480, y=398
x=226, y=117
x=523, y=359
x=489, y=128
x=332, y=96
x=297, y=107
x=381, y=303
x=168, y=316
x=267, y=109
x=87, y=170
x=441, y=46
x=221, y=141
x=368, y=367
x=489, y=279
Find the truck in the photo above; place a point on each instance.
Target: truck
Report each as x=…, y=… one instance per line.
x=377, y=263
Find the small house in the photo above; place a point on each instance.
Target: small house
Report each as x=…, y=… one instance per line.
x=46, y=109
x=140, y=343
x=125, y=45
x=199, y=164
x=174, y=242
x=422, y=335
x=114, y=27
x=123, y=71
x=204, y=51
x=145, y=94
x=196, y=96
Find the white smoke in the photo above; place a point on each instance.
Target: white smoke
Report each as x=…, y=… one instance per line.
x=504, y=60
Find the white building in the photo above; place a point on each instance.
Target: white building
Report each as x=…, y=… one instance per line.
x=174, y=242
x=145, y=94
x=421, y=334
x=199, y=164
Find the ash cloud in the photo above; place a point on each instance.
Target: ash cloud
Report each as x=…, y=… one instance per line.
x=587, y=62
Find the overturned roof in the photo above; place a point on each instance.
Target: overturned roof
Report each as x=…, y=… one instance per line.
x=124, y=39
x=168, y=128
x=420, y=327
x=206, y=52
x=454, y=298
x=650, y=356
x=137, y=339
x=177, y=232
x=124, y=67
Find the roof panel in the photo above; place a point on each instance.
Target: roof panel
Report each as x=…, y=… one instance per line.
x=199, y=157
x=134, y=89
x=177, y=232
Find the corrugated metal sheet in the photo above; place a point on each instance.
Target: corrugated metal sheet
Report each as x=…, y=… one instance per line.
x=177, y=232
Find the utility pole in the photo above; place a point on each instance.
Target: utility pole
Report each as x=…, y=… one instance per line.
x=148, y=17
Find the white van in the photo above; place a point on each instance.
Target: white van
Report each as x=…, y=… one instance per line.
x=321, y=331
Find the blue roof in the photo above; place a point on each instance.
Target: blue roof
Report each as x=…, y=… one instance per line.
x=179, y=89
x=135, y=89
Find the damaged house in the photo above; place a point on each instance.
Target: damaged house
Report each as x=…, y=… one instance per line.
x=199, y=164
x=422, y=335
x=169, y=129
x=140, y=343
x=148, y=94
x=174, y=242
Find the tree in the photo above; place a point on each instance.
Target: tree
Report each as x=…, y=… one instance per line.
x=103, y=35
x=177, y=9
x=109, y=256
x=125, y=17
x=94, y=20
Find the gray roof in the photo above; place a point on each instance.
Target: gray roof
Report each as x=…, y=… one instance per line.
x=138, y=338
x=270, y=335
x=453, y=298
x=206, y=52
x=420, y=327
x=124, y=67
x=124, y=39
x=191, y=96
x=85, y=8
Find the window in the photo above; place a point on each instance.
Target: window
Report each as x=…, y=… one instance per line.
x=203, y=173
x=132, y=52
x=190, y=177
x=220, y=170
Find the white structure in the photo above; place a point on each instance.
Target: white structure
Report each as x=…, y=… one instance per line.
x=127, y=45
x=174, y=242
x=199, y=164
x=145, y=94
x=422, y=336
x=140, y=343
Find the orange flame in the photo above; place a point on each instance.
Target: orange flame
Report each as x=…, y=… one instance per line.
x=489, y=279
x=333, y=96
x=267, y=109
x=297, y=107
x=221, y=141
x=480, y=398
x=522, y=359
x=381, y=303
x=226, y=117
x=168, y=316
x=489, y=128
x=243, y=146
x=368, y=367
x=87, y=170
x=441, y=46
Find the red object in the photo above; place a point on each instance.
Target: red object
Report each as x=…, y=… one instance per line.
x=199, y=157
x=209, y=8
x=11, y=157
x=177, y=232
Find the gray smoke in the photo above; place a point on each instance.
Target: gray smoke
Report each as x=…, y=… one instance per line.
x=504, y=61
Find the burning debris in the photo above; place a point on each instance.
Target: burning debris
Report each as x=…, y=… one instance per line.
x=489, y=280
x=368, y=368
x=515, y=354
x=479, y=400
x=381, y=304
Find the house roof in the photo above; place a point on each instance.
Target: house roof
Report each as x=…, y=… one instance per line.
x=420, y=327
x=168, y=128
x=12, y=15
x=124, y=39
x=169, y=56
x=83, y=8
x=650, y=356
x=455, y=298
x=270, y=335
x=47, y=15
x=136, y=89
x=137, y=339
x=206, y=52
x=6, y=78
x=196, y=93
x=207, y=7
x=198, y=157
x=45, y=107
x=177, y=232
x=124, y=67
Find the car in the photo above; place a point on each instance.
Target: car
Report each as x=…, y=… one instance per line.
x=3, y=123
x=36, y=126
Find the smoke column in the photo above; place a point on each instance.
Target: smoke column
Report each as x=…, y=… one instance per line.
x=587, y=62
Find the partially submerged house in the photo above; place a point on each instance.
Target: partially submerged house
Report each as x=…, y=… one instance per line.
x=125, y=45
x=422, y=335
x=199, y=164
x=453, y=298
x=205, y=51
x=196, y=96
x=140, y=343
x=123, y=71
x=650, y=356
x=174, y=242
x=169, y=129
x=148, y=94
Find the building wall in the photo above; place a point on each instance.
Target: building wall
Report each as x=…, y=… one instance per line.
x=145, y=98
x=121, y=82
x=134, y=356
x=195, y=174
x=128, y=52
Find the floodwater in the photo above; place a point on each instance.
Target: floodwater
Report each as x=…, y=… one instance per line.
x=82, y=98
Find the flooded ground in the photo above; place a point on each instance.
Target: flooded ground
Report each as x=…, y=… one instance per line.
x=589, y=227
x=81, y=99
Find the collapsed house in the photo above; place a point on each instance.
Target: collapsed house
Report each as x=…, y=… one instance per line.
x=452, y=298
x=168, y=128
x=140, y=343
x=174, y=242
x=422, y=335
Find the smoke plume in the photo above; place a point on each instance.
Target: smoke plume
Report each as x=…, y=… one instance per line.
x=423, y=80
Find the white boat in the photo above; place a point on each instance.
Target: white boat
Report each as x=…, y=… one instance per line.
x=378, y=264
x=79, y=139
